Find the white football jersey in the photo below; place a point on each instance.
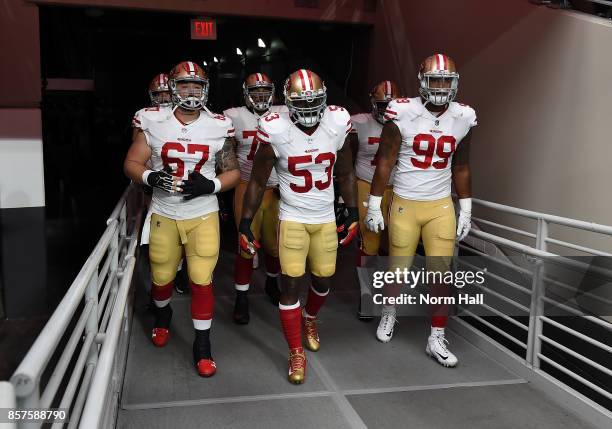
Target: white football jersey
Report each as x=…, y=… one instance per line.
x=305, y=163
x=185, y=147
x=368, y=131
x=423, y=170
x=245, y=122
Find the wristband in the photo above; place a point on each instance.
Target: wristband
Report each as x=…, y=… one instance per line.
x=217, y=183
x=145, y=176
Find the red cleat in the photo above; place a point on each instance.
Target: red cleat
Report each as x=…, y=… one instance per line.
x=206, y=367
x=160, y=337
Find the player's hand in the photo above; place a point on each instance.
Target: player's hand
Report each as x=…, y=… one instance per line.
x=464, y=223
x=161, y=179
x=197, y=185
x=374, y=220
x=348, y=225
x=247, y=239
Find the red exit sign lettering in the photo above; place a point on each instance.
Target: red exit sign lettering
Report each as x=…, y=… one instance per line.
x=203, y=29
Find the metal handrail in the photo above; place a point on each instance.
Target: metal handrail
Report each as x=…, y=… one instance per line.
x=540, y=254
x=83, y=304
x=27, y=376
x=559, y=220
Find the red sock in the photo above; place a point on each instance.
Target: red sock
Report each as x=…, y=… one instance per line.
x=314, y=302
x=161, y=294
x=360, y=257
x=272, y=264
x=243, y=270
x=291, y=321
x=439, y=312
x=439, y=321
x=202, y=305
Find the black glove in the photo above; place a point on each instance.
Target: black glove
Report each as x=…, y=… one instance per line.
x=161, y=179
x=197, y=185
x=247, y=239
x=348, y=225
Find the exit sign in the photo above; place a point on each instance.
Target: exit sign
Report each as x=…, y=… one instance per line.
x=203, y=29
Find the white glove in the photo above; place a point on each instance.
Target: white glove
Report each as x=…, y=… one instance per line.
x=465, y=218
x=374, y=218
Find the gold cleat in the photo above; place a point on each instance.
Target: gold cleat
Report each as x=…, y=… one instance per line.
x=312, y=336
x=297, y=366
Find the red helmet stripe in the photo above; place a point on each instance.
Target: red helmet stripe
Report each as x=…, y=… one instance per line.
x=259, y=77
x=388, y=88
x=191, y=67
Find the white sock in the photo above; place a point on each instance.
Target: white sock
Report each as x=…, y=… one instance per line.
x=242, y=287
x=437, y=331
x=202, y=325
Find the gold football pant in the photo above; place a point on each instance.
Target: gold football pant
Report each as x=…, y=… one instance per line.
x=265, y=221
x=432, y=221
x=199, y=237
x=315, y=243
x=370, y=241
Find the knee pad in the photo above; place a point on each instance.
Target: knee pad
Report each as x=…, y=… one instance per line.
x=324, y=270
x=162, y=274
x=293, y=269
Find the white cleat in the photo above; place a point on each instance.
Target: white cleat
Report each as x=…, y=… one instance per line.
x=436, y=348
x=387, y=322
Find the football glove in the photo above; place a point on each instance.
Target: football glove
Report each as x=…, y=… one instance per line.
x=348, y=225
x=197, y=185
x=374, y=218
x=161, y=179
x=464, y=223
x=247, y=239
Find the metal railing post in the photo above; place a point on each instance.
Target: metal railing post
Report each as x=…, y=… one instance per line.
x=91, y=327
x=536, y=309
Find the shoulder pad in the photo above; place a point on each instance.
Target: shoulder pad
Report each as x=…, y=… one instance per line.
x=461, y=110
x=232, y=112
x=272, y=126
x=336, y=120
x=401, y=108
x=223, y=122
x=360, y=118
x=150, y=114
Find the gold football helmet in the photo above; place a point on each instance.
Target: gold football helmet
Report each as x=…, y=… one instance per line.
x=191, y=97
x=258, y=92
x=438, y=79
x=305, y=97
x=159, y=91
x=380, y=96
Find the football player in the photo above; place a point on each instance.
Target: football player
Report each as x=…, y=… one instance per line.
x=429, y=138
x=184, y=148
x=364, y=140
x=258, y=91
x=305, y=150
x=161, y=102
